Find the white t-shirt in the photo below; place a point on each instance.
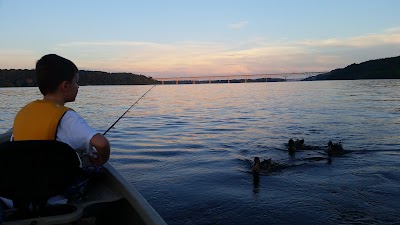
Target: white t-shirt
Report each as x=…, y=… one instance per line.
x=74, y=131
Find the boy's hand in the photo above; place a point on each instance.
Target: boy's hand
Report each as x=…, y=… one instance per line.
x=102, y=146
x=95, y=159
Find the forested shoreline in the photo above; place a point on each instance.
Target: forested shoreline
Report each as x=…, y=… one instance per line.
x=26, y=78
x=386, y=68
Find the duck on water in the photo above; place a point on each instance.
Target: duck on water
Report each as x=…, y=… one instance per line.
x=299, y=145
x=267, y=165
x=333, y=149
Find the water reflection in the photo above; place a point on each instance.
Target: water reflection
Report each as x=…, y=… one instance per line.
x=256, y=183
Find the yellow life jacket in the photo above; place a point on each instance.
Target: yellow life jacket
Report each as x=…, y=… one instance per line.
x=38, y=121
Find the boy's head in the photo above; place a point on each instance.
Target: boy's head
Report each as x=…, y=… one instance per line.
x=52, y=70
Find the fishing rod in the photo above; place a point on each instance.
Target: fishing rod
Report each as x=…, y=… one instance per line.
x=128, y=110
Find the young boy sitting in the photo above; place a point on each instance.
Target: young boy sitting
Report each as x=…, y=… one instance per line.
x=49, y=119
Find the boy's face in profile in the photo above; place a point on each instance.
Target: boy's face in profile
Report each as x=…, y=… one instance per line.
x=72, y=89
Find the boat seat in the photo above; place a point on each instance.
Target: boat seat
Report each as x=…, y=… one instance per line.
x=33, y=171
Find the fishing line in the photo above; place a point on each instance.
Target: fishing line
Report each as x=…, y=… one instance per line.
x=128, y=110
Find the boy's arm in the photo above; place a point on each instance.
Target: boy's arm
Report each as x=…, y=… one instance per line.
x=103, y=149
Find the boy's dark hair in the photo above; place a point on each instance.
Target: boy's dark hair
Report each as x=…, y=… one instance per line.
x=51, y=70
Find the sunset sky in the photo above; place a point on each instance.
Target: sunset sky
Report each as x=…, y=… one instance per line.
x=169, y=38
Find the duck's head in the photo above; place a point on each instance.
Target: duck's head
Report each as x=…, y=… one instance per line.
x=291, y=145
x=256, y=166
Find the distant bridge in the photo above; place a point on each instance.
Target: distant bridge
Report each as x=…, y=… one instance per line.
x=242, y=77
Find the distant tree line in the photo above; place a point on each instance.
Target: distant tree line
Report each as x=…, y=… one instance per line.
x=103, y=78
x=27, y=78
x=387, y=68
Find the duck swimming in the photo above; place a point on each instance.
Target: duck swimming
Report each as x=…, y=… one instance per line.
x=335, y=149
x=295, y=145
x=265, y=165
x=291, y=146
x=299, y=145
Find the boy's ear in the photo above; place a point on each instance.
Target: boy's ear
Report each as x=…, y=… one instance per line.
x=63, y=85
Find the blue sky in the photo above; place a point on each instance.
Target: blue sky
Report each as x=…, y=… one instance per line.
x=168, y=38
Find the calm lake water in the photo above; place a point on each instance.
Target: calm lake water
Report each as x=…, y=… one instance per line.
x=188, y=149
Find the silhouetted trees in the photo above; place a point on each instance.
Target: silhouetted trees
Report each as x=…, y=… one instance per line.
x=17, y=78
x=26, y=78
x=387, y=68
